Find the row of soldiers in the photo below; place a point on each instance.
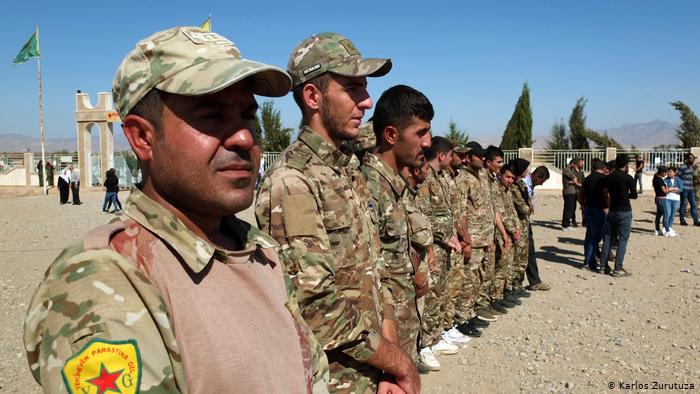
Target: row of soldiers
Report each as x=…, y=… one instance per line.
x=398, y=244
x=468, y=216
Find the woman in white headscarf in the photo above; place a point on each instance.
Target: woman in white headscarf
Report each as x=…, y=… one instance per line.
x=63, y=185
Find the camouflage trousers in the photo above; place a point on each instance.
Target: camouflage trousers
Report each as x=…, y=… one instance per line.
x=435, y=300
x=504, y=268
x=520, y=253
x=406, y=310
x=482, y=261
x=350, y=376
x=454, y=290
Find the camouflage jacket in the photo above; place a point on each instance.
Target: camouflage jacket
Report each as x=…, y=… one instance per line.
x=98, y=296
x=387, y=189
x=313, y=201
x=520, y=200
x=433, y=201
x=454, y=194
x=480, y=213
x=421, y=234
x=503, y=200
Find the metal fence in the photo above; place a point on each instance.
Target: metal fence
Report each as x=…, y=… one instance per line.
x=655, y=157
x=268, y=158
x=509, y=155
x=561, y=158
x=10, y=161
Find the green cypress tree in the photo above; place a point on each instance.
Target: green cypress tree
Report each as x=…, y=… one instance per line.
x=518, y=132
x=577, y=126
x=557, y=137
x=276, y=137
x=455, y=135
x=689, y=131
x=602, y=140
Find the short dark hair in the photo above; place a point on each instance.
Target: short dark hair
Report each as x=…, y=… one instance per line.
x=150, y=107
x=509, y=167
x=672, y=168
x=597, y=164
x=687, y=156
x=438, y=145
x=321, y=83
x=541, y=172
x=492, y=152
x=622, y=160
x=397, y=106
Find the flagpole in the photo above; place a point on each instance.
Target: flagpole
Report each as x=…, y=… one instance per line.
x=41, y=118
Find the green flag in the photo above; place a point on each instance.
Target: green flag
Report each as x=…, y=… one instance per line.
x=29, y=50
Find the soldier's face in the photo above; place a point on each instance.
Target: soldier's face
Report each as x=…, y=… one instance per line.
x=495, y=165
x=476, y=162
x=207, y=159
x=456, y=160
x=412, y=140
x=507, y=178
x=444, y=159
x=420, y=173
x=343, y=105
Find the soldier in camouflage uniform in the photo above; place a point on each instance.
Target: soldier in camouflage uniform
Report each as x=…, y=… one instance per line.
x=402, y=117
x=493, y=162
x=314, y=202
x=433, y=200
x=520, y=199
x=124, y=308
x=504, y=256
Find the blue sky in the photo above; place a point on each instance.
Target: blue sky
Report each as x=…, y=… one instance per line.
x=628, y=58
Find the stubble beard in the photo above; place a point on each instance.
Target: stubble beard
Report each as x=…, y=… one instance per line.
x=332, y=124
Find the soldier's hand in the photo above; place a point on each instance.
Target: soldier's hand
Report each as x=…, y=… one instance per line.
x=507, y=243
x=389, y=387
x=454, y=243
x=517, y=235
x=420, y=281
x=467, y=250
x=411, y=382
x=431, y=260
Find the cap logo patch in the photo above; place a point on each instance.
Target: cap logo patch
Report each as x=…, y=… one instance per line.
x=311, y=69
x=208, y=38
x=102, y=366
x=350, y=47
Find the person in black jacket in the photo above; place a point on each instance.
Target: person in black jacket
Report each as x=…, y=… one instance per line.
x=112, y=185
x=620, y=188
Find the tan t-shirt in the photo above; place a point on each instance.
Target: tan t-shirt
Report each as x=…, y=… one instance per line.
x=229, y=316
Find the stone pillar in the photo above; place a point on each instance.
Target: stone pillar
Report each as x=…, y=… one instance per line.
x=102, y=116
x=695, y=151
x=526, y=153
x=28, y=168
x=610, y=154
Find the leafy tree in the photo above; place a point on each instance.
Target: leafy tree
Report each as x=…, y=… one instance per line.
x=577, y=126
x=274, y=137
x=557, y=137
x=455, y=135
x=602, y=140
x=518, y=132
x=689, y=131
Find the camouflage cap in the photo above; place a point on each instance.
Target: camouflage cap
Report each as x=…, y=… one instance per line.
x=190, y=61
x=331, y=52
x=366, y=139
x=462, y=148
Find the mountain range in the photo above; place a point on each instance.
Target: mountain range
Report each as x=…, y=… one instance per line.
x=642, y=135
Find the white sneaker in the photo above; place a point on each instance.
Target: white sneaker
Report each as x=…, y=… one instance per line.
x=663, y=231
x=456, y=337
x=445, y=347
x=428, y=358
x=671, y=233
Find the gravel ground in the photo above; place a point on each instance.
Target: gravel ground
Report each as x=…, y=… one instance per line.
x=588, y=331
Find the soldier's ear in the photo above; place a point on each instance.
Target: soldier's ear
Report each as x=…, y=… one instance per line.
x=391, y=135
x=141, y=135
x=312, y=96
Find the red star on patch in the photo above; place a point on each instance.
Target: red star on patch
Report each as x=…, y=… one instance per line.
x=106, y=380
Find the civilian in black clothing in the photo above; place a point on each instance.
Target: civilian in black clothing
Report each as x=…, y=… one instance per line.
x=660, y=191
x=638, y=171
x=620, y=187
x=594, y=201
x=112, y=185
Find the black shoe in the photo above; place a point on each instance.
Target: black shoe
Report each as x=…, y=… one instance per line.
x=469, y=330
x=522, y=293
x=512, y=298
x=505, y=303
x=696, y=224
x=684, y=223
x=476, y=322
x=498, y=309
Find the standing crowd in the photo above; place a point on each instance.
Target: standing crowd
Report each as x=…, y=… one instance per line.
x=372, y=254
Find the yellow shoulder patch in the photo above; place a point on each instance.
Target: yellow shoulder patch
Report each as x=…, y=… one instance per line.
x=104, y=366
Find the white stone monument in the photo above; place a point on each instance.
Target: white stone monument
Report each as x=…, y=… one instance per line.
x=102, y=115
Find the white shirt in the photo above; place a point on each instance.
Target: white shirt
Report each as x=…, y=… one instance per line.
x=75, y=175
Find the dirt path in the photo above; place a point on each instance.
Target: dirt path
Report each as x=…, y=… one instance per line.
x=588, y=331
